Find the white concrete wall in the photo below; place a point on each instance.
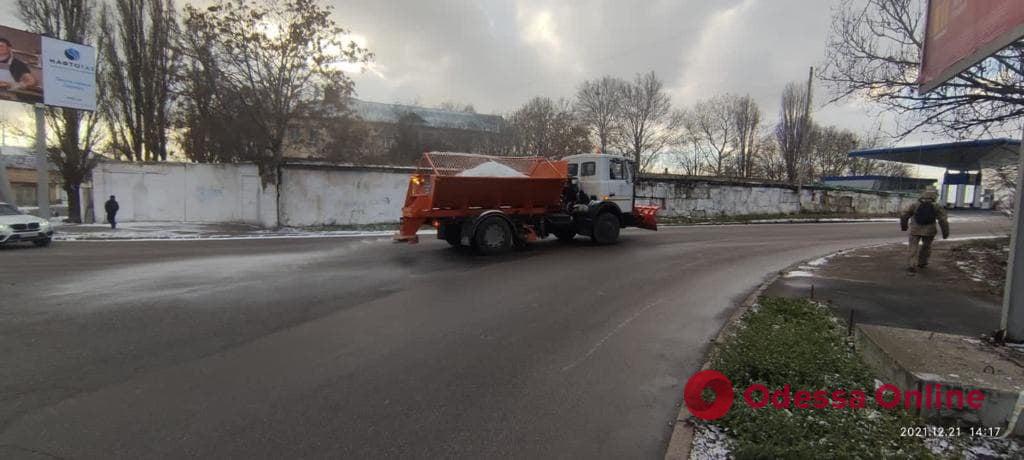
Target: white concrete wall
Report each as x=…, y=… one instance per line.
x=696, y=198
x=342, y=196
x=184, y=192
x=328, y=195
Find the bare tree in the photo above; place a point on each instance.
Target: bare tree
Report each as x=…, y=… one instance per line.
x=137, y=76
x=711, y=130
x=747, y=120
x=829, y=149
x=278, y=61
x=874, y=53
x=75, y=131
x=791, y=132
x=547, y=128
x=688, y=158
x=453, y=106
x=768, y=162
x=649, y=123
x=599, y=106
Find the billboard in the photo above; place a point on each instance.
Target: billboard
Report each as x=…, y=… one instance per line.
x=962, y=33
x=35, y=69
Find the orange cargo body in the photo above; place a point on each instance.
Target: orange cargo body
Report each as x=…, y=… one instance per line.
x=455, y=185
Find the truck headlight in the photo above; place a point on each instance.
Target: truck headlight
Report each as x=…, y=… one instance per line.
x=44, y=225
x=4, y=228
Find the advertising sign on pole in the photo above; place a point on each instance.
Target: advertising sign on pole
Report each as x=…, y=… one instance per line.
x=69, y=74
x=45, y=71
x=962, y=33
x=36, y=69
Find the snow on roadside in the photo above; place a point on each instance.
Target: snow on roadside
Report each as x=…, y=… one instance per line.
x=162, y=231
x=173, y=236
x=984, y=261
x=807, y=269
x=820, y=220
x=973, y=447
x=710, y=442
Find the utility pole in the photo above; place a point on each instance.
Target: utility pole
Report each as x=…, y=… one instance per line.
x=42, y=170
x=1013, y=296
x=6, y=195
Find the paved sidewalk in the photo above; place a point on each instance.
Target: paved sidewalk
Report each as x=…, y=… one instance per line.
x=873, y=282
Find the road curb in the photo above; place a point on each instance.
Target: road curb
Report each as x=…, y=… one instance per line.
x=681, y=442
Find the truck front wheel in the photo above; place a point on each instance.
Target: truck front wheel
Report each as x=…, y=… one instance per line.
x=493, y=236
x=606, y=228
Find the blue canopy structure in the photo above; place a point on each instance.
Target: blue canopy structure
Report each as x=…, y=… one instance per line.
x=955, y=156
x=959, y=156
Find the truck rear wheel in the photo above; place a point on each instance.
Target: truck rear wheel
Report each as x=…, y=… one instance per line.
x=605, y=229
x=493, y=236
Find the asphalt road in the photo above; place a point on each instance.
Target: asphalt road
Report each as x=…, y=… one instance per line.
x=363, y=348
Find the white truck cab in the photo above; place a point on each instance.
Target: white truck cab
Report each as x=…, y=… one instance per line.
x=604, y=177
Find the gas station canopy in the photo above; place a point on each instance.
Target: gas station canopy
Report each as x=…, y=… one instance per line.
x=959, y=156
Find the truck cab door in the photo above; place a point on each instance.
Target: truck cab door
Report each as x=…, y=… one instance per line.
x=620, y=183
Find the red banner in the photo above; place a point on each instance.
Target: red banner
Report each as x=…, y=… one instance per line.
x=961, y=33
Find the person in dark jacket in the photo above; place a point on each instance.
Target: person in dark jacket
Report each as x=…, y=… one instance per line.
x=920, y=218
x=111, y=207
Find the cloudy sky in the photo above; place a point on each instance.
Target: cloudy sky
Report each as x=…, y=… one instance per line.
x=496, y=54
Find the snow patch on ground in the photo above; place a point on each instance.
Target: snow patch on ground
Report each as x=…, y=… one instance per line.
x=808, y=269
x=710, y=442
x=972, y=238
x=799, y=274
x=491, y=169
x=820, y=220
x=974, y=447
x=983, y=262
x=175, y=231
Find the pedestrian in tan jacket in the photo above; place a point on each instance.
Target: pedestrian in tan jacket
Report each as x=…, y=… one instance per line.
x=922, y=217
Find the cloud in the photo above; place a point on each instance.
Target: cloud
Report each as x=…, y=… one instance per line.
x=496, y=54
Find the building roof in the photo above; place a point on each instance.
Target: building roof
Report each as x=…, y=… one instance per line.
x=961, y=156
x=875, y=177
x=378, y=112
x=20, y=161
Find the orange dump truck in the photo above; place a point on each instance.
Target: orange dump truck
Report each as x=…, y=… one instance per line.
x=495, y=203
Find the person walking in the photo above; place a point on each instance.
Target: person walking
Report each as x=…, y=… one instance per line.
x=920, y=219
x=111, y=207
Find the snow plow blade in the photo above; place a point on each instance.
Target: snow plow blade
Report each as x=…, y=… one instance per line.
x=646, y=217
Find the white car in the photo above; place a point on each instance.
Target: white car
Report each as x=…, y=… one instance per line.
x=16, y=227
